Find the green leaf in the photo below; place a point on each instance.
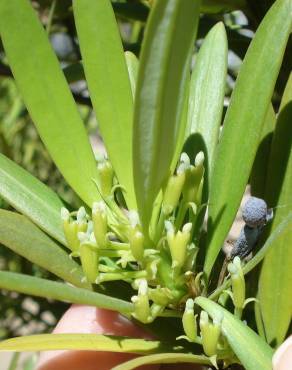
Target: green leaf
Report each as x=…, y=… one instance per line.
x=284, y=228
x=161, y=88
x=132, y=65
x=85, y=342
x=163, y=358
x=52, y=290
x=259, y=170
x=24, y=238
x=271, y=243
x=208, y=88
x=276, y=275
x=243, y=124
x=251, y=349
x=182, y=127
x=47, y=96
x=108, y=82
x=31, y=197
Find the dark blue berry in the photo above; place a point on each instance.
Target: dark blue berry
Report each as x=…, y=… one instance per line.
x=255, y=212
x=62, y=44
x=246, y=241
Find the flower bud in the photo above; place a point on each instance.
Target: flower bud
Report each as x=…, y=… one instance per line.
x=160, y=296
x=141, y=303
x=189, y=321
x=192, y=252
x=99, y=218
x=71, y=228
x=184, y=163
x=237, y=282
x=210, y=333
x=106, y=175
x=194, y=175
x=136, y=245
x=173, y=192
x=89, y=257
x=178, y=243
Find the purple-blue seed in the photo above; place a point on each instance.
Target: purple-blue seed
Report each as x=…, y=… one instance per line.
x=254, y=212
x=246, y=241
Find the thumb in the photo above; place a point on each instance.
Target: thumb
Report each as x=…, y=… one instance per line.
x=282, y=359
x=91, y=320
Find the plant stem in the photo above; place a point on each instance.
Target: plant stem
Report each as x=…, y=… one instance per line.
x=171, y=313
x=117, y=245
x=159, y=227
x=50, y=17
x=226, y=284
x=181, y=215
x=121, y=276
x=238, y=312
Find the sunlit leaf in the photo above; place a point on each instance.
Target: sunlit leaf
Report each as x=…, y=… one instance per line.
x=259, y=170
x=108, y=82
x=31, y=197
x=161, y=88
x=163, y=358
x=53, y=290
x=253, y=352
x=278, y=233
x=243, y=124
x=86, y=342
x=276, y=275
x=47, y=96
x=207, y=89
x=23, y=237
x=132, y=65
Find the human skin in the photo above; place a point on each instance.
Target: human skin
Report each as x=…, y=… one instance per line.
x=92, y=320
x=282, y=359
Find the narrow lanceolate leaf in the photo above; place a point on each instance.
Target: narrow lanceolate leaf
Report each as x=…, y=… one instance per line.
x=276, y=235
x=163, y=71
x=85, y=342
x=163, y=358
x=207, y=89
x=52, y=290
x=132, y=65
x=107, y=77
x=31, y=197
x=23, y=237
x=258, y=176
x=253, y=352
x=47, y=96
x=276, y=274
x=243, y=124
x=182, y=127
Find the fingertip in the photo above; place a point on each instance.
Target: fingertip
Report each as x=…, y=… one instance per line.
x=91, y=320
x=282, y=359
